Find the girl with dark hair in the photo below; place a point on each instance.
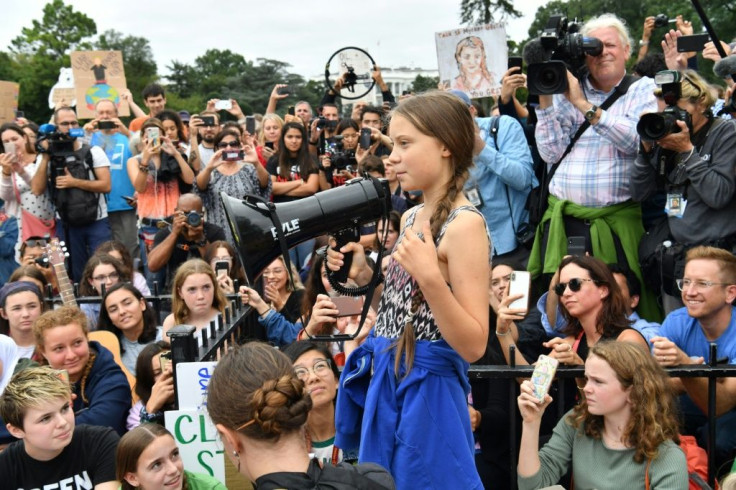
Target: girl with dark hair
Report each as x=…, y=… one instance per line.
x=293, y=171
x=295, y=175
x=234, y=169
x=147, y=458
x=260, y=407
x=173, y=129
x=100, y=270
x=35, y=214
x=116, y=249
x=21, y=303
x=127, y=314
x=154, y=385
x=433, y=313
x=622, y=434
x=315, y=366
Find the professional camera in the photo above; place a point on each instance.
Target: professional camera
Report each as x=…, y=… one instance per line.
x=661, y=20
x=560, y=47
x=340, y=158
x=59, y=146
x=657, y=125
x=323, y=123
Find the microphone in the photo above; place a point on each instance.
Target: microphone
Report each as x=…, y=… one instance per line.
x=534, y=52
x=725, y=67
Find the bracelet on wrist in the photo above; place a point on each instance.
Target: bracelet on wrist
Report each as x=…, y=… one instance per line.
x=143, y=168
x=151, y=417
x=499, y=334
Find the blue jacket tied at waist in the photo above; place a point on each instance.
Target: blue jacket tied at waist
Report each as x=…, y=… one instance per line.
x=417, y=427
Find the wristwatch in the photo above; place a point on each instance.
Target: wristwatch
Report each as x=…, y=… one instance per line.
x=590, y=113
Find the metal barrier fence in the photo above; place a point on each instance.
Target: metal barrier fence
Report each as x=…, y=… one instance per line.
x=240, y=324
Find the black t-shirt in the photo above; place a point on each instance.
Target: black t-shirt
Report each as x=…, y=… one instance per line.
x=272, y=167
x=184, y=250
x=88, y=460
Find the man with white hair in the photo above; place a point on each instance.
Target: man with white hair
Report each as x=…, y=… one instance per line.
x=589, y=193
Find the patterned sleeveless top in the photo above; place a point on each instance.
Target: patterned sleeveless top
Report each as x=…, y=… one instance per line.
x=395, y=305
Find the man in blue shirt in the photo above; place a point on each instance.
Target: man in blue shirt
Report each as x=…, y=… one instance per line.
x=708, y=289
x=114, y=141
x=501, y=179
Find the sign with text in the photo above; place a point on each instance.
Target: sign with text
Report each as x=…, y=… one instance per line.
x=98, y=75
x=473, y=59
x=196, y=436
x=9, y=92
x=192, y=379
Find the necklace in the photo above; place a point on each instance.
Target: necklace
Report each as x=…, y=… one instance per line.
x=613, y=443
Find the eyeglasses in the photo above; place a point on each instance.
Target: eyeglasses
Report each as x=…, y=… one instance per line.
x=69, y=123
x=225, y=258
x=684, y=284
x=113, y=276
x=575, y=284
x=320, y=368
x=273, y=272
x=36, y=243
x=231, y=144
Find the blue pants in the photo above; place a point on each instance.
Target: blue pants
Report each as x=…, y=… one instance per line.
x=82, y=243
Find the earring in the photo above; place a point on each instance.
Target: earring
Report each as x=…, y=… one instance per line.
x=236, y=455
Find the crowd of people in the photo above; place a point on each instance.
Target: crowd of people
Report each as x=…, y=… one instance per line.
x=632, y=265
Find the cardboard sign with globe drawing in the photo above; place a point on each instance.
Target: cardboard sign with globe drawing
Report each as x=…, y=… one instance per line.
x=98, y=75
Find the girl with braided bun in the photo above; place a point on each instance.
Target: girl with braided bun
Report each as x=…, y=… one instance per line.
x=259, y=407
x=403, y=392
x=102, y=391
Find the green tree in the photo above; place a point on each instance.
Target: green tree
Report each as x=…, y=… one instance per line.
x=423, y=84
x=486, y=11
x=140, y=68
x=42, y=49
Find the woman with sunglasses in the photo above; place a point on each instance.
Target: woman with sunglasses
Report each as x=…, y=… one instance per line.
x=234, y=169
x=593, y=308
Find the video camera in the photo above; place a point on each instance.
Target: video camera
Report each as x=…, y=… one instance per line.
x=340, y=158
x=323, y=123
x=560, y=47
x=657, y=125
x=59, y=146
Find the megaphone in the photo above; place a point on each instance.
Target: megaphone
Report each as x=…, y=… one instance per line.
x=359, y=201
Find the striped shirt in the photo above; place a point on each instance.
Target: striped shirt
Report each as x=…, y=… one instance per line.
x=596, y=172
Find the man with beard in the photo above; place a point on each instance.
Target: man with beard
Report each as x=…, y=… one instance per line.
x=202, y=148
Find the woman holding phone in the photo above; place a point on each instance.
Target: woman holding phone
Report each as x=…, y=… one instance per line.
x=157, y=174
x=622, y=434
x=225, y=261
x=234, y=170
x=269, y=137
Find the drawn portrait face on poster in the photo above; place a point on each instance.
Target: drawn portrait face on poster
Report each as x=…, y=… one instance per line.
x=464, y=61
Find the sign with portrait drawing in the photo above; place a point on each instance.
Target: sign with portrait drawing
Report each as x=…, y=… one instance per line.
x=98, y=75
x=473, y=59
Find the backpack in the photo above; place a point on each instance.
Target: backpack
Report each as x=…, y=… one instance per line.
x=697, y=465
x=75, y=206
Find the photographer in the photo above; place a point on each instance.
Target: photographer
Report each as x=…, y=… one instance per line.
x=338, y=162
x=323, y=128
x=186, y=238
x=79, y=175
x=372, y=118
x=693, y=166
x=590, y=191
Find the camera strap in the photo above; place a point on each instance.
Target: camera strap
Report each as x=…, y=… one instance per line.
x=619, y=91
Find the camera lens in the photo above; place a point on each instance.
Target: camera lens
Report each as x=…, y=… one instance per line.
x=652, y=127
x=194, y=219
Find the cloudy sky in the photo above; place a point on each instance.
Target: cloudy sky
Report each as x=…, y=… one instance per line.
x=302, y=33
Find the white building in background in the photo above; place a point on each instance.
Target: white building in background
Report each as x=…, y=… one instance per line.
x=398, y=80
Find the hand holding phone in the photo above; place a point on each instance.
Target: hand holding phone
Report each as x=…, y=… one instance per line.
x=348, y=305
x=365, y=138
x=223, y=105
x=250, y=124
x=519, y=284
x=576, y=246
x=543, y=375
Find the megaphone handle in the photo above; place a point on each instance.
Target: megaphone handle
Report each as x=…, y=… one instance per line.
x=343, y=237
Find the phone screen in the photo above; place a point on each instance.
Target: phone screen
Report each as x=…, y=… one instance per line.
x=250, y=124
x=576, y=245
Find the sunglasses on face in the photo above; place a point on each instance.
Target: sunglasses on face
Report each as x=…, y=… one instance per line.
x=574, y=284
x=231, y=144
x=35, y=243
